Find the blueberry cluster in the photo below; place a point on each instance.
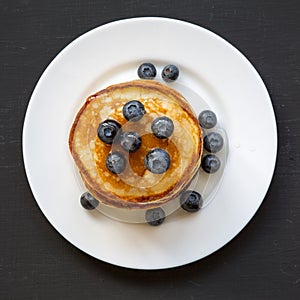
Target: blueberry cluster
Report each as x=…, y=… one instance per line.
x=156, y=161
x=191, y=201
x=213, y=142
x=148, y=71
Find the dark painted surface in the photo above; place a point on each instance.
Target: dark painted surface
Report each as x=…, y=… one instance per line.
x=262, y=262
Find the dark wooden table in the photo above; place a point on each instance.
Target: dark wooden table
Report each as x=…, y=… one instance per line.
x=262, y=262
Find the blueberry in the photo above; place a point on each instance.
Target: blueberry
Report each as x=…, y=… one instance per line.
x=207, y=119
x=170, y=73
x=88, y=201
x=191, y=201
x=146, y=71
x=130, y=141
x=155, y=216
x=162, y=127
x=116, y=162
x=157, y=161
x=213, y=142
x=107, y=131
x=133, y=110
x=210, y=163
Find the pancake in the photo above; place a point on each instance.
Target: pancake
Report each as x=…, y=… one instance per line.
x=136, y=187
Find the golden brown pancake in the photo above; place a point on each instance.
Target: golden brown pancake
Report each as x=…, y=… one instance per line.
x=136, y=187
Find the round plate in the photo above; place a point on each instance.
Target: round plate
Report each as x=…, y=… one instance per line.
x=213, y=69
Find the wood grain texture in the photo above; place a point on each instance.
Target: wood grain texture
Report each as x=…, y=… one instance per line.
x=262, y=262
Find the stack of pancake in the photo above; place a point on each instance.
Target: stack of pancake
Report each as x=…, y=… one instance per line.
x=136, y=187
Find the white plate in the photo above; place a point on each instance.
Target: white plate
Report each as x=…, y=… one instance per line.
x=212, y=68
